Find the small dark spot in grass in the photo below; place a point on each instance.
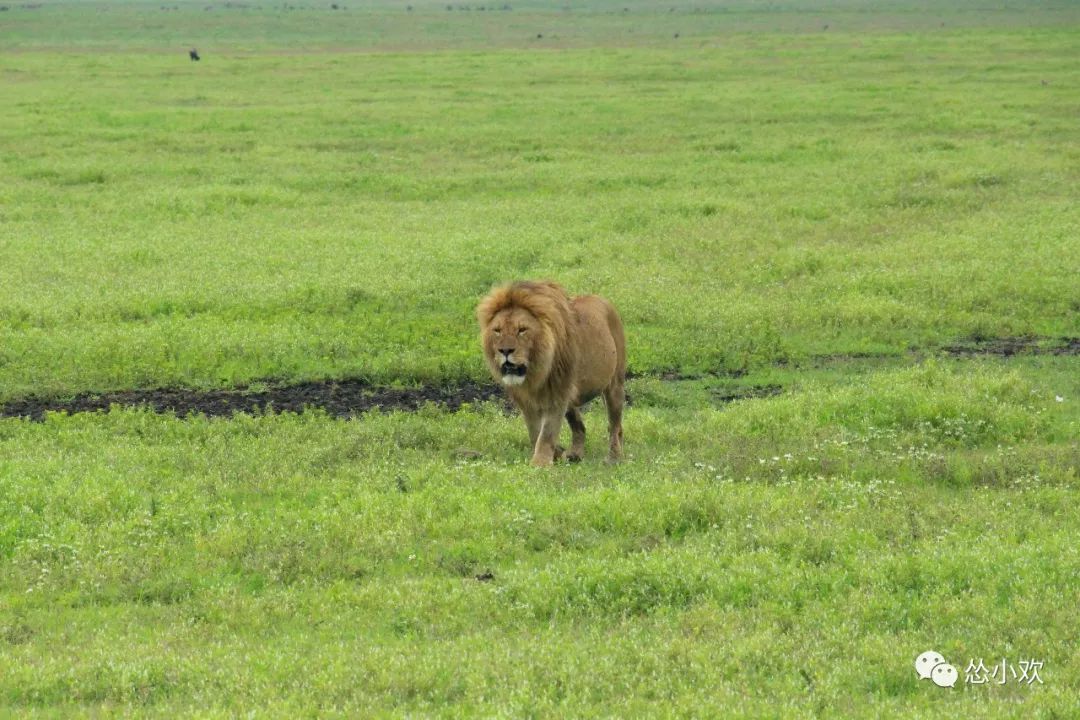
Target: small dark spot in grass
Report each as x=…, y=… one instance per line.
x=86, y=177
x=726, y=395
x=356, y=296
x=987, y=180
x=461, y=562
x=723, y=146
x=18, y=632
x=467, y=454
x=913, y=523
x=486, y=576
x=943, y=145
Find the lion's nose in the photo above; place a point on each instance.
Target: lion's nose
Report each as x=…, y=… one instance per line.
x=506, y=353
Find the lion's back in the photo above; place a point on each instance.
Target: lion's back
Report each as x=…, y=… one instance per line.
x=601, y=342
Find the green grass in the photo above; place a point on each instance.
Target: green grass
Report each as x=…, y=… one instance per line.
x=773, y=207
x=793, y=552
x=339, y=214
x=389, y=26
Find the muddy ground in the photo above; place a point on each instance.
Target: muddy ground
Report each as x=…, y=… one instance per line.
x=340, y=398
x=350, y=397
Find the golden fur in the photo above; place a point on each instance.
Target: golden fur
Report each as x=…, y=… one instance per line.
x=554, y=353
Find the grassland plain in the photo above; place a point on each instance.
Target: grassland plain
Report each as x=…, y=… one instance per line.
x=337, y=214
x=780, y=557
x=326, y=195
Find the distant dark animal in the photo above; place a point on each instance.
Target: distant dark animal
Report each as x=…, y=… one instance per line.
x=194, y=55
x=539, y=36
x=676, y=36
x=825, y=28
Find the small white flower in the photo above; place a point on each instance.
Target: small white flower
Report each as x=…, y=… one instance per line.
x=1059, y=398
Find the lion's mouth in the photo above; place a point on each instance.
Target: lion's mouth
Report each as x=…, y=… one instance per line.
x=512, y=370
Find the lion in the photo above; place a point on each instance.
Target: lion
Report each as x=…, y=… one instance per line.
x=553, y=354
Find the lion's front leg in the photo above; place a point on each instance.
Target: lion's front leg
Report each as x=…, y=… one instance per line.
x=533, y=420
x=546, y=449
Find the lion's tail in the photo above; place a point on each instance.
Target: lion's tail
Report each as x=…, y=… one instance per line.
x=615, y=325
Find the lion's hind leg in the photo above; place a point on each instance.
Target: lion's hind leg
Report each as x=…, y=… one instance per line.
x=615, y=399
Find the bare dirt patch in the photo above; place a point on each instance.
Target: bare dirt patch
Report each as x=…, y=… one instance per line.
x=340, y=398
x=1007, y=347
x=351, y=397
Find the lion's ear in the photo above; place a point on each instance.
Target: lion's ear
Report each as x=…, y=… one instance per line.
x=483, y=314
x=490, y=305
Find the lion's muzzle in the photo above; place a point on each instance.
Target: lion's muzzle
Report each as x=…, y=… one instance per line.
x=509, y=368
x=512, y=373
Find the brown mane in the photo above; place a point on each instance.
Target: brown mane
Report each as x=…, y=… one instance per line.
x=554, y=353
x=550, y=305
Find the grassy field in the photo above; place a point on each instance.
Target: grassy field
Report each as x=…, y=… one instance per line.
x=781, y=557
x=848, y=229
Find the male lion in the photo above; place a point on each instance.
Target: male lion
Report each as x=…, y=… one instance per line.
x=554, y=354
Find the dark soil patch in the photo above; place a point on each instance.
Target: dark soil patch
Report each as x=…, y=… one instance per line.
x=1007, y=347
x=350, y=397
x=965, y=348
x=672, y=375
x=341, y=398
x=970, y=347
x=726, y=395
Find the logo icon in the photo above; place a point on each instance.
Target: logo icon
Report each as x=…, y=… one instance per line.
x=944, y=675
x=931, y=664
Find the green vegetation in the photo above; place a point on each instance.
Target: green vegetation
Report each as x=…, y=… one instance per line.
x=794, y=552
x=338, y=214
x=793, y=215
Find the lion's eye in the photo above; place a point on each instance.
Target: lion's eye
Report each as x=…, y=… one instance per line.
x=521, y=331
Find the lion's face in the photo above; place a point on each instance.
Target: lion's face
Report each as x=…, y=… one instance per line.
x=516, y=346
